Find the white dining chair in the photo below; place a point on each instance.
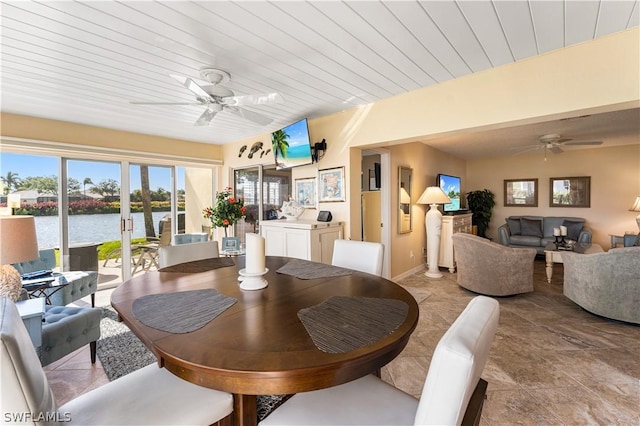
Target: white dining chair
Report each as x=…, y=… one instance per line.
x=359, y=255
x=148, y=396
x=181, y=253
x=452, y=379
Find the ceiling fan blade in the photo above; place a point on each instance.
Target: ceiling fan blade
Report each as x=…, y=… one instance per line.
x=192, y=86
x=164, y=103
x=257, y=99
x=205, y=118
x=250, y=115
x=556, y=149
x=584, y=143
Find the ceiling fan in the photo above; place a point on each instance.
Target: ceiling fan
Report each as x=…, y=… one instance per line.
x=554, y=143
x=218, y=98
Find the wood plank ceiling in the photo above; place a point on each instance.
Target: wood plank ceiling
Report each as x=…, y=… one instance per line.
x=84, y=62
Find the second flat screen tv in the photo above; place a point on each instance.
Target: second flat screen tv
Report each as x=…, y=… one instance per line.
x=451, y=186
x=291, y=145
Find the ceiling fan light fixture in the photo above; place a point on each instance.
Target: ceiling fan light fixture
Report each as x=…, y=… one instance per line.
x=214, y=75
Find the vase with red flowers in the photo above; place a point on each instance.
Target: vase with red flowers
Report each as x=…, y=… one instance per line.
x=227, y=211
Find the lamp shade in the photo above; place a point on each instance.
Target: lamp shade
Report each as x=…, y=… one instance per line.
x=433, y=195
x=18, y=241
x=636, y=206
x=404, y=196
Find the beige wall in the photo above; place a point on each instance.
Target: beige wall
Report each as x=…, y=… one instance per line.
x=426, y=163
x=597, y=76
x=198, y=195
x=24, y=127
x=615, y=184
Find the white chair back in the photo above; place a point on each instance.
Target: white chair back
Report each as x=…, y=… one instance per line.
x=359, y=255
x=24, y=385
x=173, y=255
x=457, y=363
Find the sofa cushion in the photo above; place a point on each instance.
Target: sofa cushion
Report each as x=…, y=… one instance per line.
x=573, y=229
x=531, y=227
x=514, y=226
x=524, y=240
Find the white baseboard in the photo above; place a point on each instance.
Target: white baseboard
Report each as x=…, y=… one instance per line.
x=409, y=273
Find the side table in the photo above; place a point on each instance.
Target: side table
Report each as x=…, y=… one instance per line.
x=553, y=254
x=31, y=311
x=37, y=291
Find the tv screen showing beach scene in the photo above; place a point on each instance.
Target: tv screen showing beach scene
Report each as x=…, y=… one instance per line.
x=291, y=145
x=451, y=186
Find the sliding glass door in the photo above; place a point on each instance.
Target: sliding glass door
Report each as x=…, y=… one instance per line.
x=263, y=189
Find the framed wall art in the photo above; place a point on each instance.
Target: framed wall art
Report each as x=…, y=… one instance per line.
x=570, y=191
x=331, y=185
x=306, y=192
x=521, y=192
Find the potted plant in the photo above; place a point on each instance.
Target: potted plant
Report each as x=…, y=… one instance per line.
x=227, y=210
x=481, y=202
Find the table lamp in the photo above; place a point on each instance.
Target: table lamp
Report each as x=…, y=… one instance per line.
x=18, y=243
x=636, y=208
x=433, y=196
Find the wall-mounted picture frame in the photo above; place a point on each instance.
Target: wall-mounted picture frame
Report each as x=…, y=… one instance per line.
x=521, y=192
x=331, y=185
x=305, y=194
x=570, y=191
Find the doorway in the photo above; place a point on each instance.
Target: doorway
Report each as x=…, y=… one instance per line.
x=375, y=201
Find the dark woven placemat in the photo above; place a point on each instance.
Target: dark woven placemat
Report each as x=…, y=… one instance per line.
x=341, y=324
x=200, y=265
x=181, y=312
x=307, y=270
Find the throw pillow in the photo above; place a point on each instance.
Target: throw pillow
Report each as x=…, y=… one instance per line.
x=514, y=226
x=637, y=241
x=532, y=227
x=573, y=229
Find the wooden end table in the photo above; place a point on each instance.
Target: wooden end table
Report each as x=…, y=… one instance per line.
x=553, y=254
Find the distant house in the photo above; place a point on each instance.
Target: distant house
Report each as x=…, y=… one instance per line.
x=32, y=197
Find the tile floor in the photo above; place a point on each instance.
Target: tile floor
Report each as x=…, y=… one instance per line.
x=551, y=362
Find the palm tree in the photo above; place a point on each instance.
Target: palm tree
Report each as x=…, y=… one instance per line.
x=146, y=202
x=85, y=182
x=11, y=180
x=279, y=144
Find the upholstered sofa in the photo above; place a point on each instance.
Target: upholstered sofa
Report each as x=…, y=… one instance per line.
x=606, y=284
x=537, y=231
x=81, y=283
x=489, y=268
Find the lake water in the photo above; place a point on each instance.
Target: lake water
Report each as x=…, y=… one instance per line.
x=89, y=228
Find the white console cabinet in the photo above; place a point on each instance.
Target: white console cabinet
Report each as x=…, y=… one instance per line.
x=451, y=225
x=308, y=240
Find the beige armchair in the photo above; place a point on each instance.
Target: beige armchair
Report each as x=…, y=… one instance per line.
x=606, y=284
x=490, y=268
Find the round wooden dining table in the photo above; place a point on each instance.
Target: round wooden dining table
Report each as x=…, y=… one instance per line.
x=259, y=346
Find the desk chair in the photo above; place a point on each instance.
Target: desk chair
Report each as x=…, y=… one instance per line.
x=359, y=255
x=453, y=392
x=150, y=395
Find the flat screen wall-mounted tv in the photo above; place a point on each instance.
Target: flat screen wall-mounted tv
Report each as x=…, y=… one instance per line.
x=451, y=186
x=291, y=145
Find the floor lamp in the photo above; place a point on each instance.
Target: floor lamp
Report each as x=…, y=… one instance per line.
x=433, y=196
x=18, y=243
